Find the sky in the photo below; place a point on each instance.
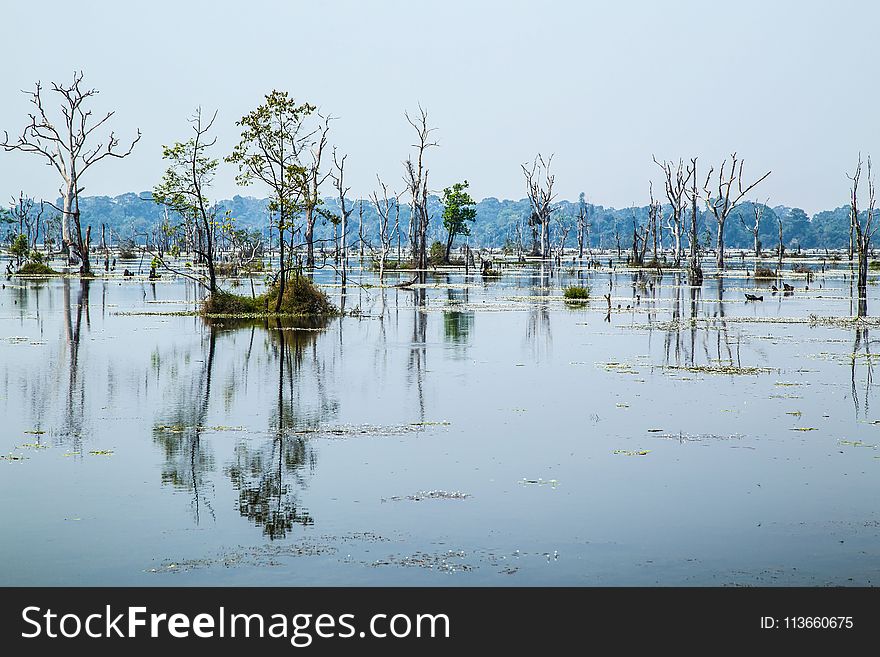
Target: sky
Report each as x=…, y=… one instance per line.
x=790, y=86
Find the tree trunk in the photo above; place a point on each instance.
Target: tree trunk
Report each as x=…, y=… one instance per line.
x=719, y=256
x=310, y=237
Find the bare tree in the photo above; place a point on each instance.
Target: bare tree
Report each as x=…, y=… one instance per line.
x=726, y=197
x=655, y=213
x=311, y=189
x=583, y=225
x=416, y=179
x=183, y=190
x=384, y=207
x=758, y=212
x=72, y=147
x=539, y=184
x=676, y=181
x=864, y=231
x=338, y=176
x=563, y=228
x=695, y=272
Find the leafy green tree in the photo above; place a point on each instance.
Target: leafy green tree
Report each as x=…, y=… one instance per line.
x=458, y=210
x=273, y=138
x=18, y=249
x=183, y=186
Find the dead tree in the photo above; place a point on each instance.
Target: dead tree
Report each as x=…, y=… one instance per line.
x=695, y=272
x=780, y=251
x=655, y=212
x=72, y=147
x=563, y=226
x=339, y=182
x=726, y=198
x=758, y=211
x=314, y=179
x=676, y=181
x=416, y=178
x=864, y=232
x=539, y=183
x=583, y=226
x=384, y=207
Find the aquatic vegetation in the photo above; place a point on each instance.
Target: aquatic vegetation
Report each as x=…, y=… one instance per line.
x=721, y=369
x=632, y=452
x=576, y=293
x=301, y=297
x=429, y=495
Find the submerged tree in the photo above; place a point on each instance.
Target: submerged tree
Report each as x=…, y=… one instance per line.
x=338, y=176
x=72, y=146
x=583, y=226
x=864, y=228
x=676, y=182
x=758, y=212
x=312, y=181
x=695, y=272
x=539, y=184
x=183, y=190
x=458, y=210
x=724, y=198
x=273, y=138
x=417, y=183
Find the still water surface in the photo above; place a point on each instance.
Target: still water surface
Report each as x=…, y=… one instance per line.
x=469, y=432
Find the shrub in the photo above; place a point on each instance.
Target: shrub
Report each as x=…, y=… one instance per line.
x=764, y=272
x=801, y=268
x=437, y=254
x=301, y=297
x=874, y=265
x=577, y=293
x=36, y=269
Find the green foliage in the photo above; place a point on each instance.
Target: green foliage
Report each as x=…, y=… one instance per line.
x=764, y=273
x=189, y=173
x=36, y=269
x=272, y=138
x=576, y=292
x=458, y=209
x=19, y=247
x=437, y=253
x=874, y=265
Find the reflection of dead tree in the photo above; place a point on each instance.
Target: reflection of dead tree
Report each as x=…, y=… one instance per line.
x=862, y=343
x=538, y=332
x=418, y=351
x=186, y=460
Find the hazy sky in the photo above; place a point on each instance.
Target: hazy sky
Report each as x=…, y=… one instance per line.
x=603, y=85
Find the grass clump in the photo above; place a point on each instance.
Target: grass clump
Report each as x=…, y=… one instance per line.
x=301, y=297
x=36, y=269
x=874, y=265
x=576, y=293
x=765, y=273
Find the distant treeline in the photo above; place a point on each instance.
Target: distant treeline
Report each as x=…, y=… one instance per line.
x=135, y=216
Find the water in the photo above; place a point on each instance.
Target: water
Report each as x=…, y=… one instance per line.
x=468, y=433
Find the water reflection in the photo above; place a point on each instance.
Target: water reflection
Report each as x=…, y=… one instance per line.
x=861, y=352
x=458, y=324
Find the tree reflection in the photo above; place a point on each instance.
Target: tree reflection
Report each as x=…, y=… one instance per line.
x=538, y=334
x=861, y=351
x=187, y=460
x=458, y=324
x=268, y=475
